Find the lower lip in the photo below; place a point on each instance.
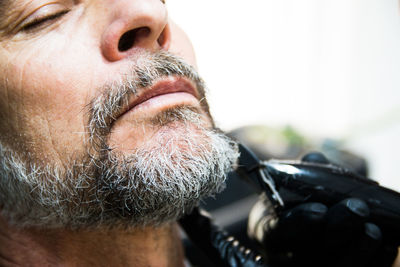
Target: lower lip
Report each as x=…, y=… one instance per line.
x=163, y=102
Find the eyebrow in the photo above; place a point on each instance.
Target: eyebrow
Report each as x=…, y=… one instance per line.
x=5, y=6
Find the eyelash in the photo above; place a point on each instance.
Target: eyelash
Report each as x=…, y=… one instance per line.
x=36, y=23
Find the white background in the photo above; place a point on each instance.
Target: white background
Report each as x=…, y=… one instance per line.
x=330, y=68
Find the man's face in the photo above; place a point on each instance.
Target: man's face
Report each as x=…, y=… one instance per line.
x=88, y=86
x=52, y=69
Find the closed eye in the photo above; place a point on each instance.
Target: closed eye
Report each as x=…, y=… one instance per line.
x=42, y=21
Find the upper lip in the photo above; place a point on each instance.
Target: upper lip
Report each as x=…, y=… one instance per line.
x=162, y=87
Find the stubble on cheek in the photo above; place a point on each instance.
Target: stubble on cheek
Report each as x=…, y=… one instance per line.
x=41, y=104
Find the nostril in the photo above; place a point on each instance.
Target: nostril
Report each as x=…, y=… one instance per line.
x=128, y=39
x=163, y=39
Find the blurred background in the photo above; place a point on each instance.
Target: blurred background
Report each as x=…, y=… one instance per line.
x=325, y=73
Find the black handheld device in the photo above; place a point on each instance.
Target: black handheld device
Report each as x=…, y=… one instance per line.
x=315, y=179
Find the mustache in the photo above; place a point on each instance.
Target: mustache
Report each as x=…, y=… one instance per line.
x=146, y=68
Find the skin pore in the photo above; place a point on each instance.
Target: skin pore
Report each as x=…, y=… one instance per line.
x=54, y=57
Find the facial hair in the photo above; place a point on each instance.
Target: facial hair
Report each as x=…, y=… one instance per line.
x=158, y=182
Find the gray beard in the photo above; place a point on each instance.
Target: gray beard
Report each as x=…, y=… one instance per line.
x=155, y=184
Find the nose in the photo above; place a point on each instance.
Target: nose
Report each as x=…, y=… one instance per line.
x=135, y=24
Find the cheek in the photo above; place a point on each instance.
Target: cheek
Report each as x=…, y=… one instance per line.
x=181, y=45
x=43, y=96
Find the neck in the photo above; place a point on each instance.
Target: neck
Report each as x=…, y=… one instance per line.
x=149, y=246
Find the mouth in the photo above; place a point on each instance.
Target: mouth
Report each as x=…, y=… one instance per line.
x=164, y=94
